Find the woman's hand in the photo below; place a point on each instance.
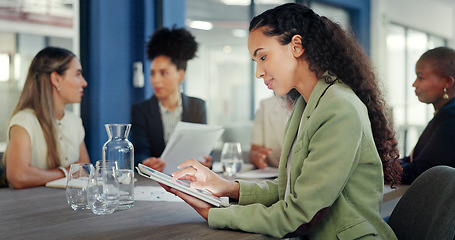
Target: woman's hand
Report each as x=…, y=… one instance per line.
x=200, y=206
x=203, y=178
x=155, y=163
x=258, y=156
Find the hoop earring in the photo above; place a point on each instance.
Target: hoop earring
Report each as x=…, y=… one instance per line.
x=445, y=96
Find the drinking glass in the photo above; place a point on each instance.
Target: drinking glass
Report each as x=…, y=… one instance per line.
x=231, y=158
x=76, y=185
x=103, y=188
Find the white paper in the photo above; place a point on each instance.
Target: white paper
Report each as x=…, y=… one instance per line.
x=58, y=183
x=189, y=141
x=388, y=189
x=152, y=193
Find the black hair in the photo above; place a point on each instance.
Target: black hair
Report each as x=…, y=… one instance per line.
x=443, y=60
x=329, y=48
x=177, y=43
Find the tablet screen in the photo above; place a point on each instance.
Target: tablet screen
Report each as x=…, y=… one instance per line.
x=180, y=185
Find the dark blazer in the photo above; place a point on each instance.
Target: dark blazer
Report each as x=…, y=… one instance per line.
x=147, y=134
x=436, y=145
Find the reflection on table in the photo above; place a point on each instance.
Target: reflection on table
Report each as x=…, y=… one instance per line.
x=43, y=213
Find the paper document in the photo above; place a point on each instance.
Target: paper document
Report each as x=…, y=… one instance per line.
x=388, y=189
x=58, y=183
x=152, y=193
x=189, y=141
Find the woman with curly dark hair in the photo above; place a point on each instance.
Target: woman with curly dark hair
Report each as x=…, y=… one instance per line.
x=154, y=120
x=338, y=144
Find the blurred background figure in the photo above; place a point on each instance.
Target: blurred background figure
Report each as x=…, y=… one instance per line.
x=154, y=120
x=434, y=85
x=267, y=132
x=43, y=138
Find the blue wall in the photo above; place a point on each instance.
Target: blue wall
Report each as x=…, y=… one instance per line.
x=360, y=17
x=113, y=36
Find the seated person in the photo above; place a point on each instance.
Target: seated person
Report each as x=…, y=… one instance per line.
x=267, y=132
x=43, y=139
x=434, y=85
x=338, y=144
x=154, y=120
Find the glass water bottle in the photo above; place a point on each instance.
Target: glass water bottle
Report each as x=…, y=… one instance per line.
x=120, y=149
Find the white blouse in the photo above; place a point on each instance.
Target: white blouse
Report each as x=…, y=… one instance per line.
x=70, y=135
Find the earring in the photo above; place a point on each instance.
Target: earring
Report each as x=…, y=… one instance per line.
x=445, y=95
x=58, y=88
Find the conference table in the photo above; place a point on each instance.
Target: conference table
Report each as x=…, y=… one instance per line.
x=43, y=213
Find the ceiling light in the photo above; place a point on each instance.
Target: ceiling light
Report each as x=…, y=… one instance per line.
x=202, y=25
x=237, y=2
x=241, y=33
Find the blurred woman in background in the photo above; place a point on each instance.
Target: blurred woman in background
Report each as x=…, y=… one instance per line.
x=43, y=138
x=434, y=85
x=154, y=120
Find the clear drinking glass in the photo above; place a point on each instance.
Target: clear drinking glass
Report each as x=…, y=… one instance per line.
x=231, y=158
x=103, y=188
x=76, y=185
x=119, y=148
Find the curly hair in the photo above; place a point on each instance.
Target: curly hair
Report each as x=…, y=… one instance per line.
x=329, y=48
x=177, y=43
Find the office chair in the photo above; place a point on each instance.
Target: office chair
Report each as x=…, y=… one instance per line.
x=427, y=209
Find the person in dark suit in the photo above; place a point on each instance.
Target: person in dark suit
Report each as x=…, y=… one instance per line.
x=434, y=85
x=154, y=120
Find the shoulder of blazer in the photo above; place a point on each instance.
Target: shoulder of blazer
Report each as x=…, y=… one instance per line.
x=192, y=103
x=194, y=109
x=187, y=100
x=446, y=111
x=149, y=106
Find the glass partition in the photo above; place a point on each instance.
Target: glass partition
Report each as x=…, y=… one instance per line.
x=223, y=73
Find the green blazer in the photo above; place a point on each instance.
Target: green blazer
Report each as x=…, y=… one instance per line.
x=336, y=178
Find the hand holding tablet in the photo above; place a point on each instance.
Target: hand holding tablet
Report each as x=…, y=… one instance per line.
x=181, y=186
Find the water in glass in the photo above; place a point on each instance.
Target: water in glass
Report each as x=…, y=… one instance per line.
x=231, y=158
x=119, y=148
x=76, y=185
x=103, y=188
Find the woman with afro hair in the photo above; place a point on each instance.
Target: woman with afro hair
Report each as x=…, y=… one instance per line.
x=154, y=120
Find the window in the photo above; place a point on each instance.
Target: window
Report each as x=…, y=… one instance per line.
x=26, y=27
x=404, y=47
x=223, y=73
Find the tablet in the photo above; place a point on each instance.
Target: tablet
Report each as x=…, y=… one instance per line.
x=180, y=185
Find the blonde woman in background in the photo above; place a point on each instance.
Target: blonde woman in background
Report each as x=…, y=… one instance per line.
x=43, y=139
